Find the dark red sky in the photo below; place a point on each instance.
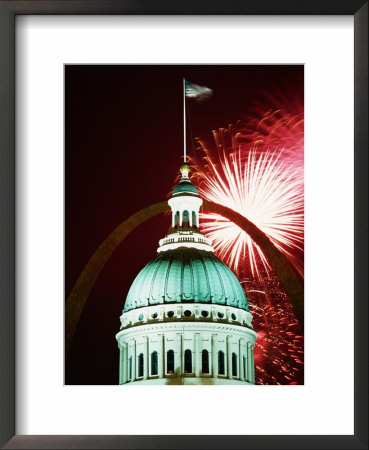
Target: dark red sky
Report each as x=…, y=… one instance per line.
x=123, y=148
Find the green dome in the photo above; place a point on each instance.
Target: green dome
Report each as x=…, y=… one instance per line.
x=186, y=275
x=185, y=187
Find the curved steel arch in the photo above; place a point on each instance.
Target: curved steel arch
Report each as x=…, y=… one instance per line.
x=86, y=280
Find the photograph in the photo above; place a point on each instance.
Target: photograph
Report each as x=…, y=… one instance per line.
x=184, y=224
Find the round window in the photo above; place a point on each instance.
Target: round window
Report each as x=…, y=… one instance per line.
x=220, y=315
x=187, y=313
x=155, y=315
x=140, y=317
x=233, y=316
x=204, y=313
x=170, y=313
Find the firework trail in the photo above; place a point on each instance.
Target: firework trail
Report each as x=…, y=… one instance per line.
x=279, y=347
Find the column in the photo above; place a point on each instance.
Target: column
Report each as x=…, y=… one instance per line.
x=229, y=357
x=179, y=351
x=125, y=362
x=195, y=359
x=250, y=362
x=198, y=354
x=240, y=360
x=121, y=363
x=134, y=360
x=146, y=355
x=161, y=357
x=244, y=350
x=213, y=360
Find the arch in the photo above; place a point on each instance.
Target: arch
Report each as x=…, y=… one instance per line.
x=185, y=219
x=176, y=220
x=234, y=365
x=205, y=361
x=154, y=363
x=170, y=361
x=140, y=365
x=76, y=301
x=221, y=366
x=187, y=361
x=194, y=219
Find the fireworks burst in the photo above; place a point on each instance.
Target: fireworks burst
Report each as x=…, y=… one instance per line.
x=266, y=191
x=256, y=169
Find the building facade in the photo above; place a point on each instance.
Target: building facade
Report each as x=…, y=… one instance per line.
x=186, y=319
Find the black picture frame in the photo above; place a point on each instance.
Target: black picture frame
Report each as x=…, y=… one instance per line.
x=8, y=12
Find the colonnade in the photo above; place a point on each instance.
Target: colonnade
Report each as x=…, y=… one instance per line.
x=184, y=215
x=234, y=354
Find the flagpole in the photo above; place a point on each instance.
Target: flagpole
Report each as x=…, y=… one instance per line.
x=184, y=120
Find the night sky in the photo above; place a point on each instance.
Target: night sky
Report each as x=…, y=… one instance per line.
x=123, y=150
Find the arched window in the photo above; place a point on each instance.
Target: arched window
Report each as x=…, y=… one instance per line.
x=234, y=365
x=154, y=363
x=221, y=370
x=194, y=219
x=176, y=219
x=187, y=361
x=141, y=365
x=186, y=219
x=130, y=368
x=170, y=361
x=205, y=361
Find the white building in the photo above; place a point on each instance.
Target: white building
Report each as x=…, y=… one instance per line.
x=186, y=319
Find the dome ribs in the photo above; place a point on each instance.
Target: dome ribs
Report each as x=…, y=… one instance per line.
x=186, y=275
x=174, y=281
x=186, y=278
x=166, y=295
x=142, y=295
x=192, y=280
x=234, y=287
x=154, y=295
x=222, y=298
x=203, y=297
x=196, y=266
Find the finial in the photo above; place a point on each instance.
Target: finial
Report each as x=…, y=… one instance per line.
x=185, y=169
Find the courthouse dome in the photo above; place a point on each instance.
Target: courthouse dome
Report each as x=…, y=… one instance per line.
x=186, y=275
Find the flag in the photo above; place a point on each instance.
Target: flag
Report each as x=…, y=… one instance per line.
x=199, y=93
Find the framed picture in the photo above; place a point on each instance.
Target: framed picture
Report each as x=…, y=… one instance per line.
x=132, y=104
